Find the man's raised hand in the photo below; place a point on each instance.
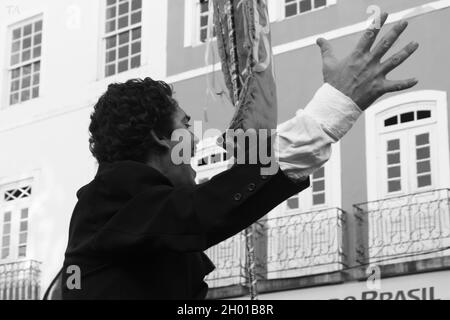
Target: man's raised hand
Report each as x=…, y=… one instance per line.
x=362, y=76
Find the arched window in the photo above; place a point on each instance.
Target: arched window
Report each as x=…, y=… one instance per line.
x=407, y=145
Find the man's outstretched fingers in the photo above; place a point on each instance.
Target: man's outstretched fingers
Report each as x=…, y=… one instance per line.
x=389, y=39
x=394, y=86
x=397, y=59
x=325, y=48
x=369, y=36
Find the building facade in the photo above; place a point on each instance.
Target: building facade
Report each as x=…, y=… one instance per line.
x=379, y=208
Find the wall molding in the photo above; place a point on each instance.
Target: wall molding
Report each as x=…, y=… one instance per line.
x=284, y=48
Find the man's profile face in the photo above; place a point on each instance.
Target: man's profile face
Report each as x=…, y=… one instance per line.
x=181, y=121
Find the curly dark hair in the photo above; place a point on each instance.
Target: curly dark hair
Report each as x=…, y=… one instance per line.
x=124, y=117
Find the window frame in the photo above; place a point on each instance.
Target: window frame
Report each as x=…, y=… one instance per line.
x=333, y=189
x=307, y=197
x=400, y=164
x=4, y=234
x=406, y=134
x=20, y=22
x=16, y=207
x=282, y=9
x=399, y=104
x=429, y=160
x=24, y=244
x=199, y=23
x=192, y=24
x=294, y=197
x=104, y=35
x=325, y=190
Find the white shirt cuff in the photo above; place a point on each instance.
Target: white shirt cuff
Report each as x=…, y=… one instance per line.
x=334, y=111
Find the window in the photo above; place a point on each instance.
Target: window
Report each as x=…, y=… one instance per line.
x=196, y=21
x=407, y=145
x=14, y=220
x=317, y=194
x=23, y=233
x=324, y=191
x=19, y=193
x=25, y=61
x=293, y=203
x=295, y=7
x=393, y=166
x=410, y=159
x=318, y=187
x=407, y=117
x=123, y=28
x=423, y=159
x=6, y=234
x=421, y=146
x=203, y=17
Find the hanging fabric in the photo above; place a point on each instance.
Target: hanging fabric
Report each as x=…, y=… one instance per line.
x=244, y=44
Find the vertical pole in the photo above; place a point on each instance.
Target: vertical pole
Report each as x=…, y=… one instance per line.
x=251, y=266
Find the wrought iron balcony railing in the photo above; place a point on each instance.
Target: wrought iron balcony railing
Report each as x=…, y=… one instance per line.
x=288, y=246
x=406, y=228
x=20, y=280
x=229, y=259
x=305, y=244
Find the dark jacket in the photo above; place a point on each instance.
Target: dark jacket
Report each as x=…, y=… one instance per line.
x=135, y=235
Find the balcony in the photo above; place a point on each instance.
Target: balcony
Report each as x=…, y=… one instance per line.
x=285, y=247
x=229, y=258
x=20, y=280
x=306, y=244
x=407, y=228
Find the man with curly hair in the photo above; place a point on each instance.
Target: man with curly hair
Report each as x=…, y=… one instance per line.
x=141, y=226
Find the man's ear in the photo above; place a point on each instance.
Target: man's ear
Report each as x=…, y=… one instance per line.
x=161, y=141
